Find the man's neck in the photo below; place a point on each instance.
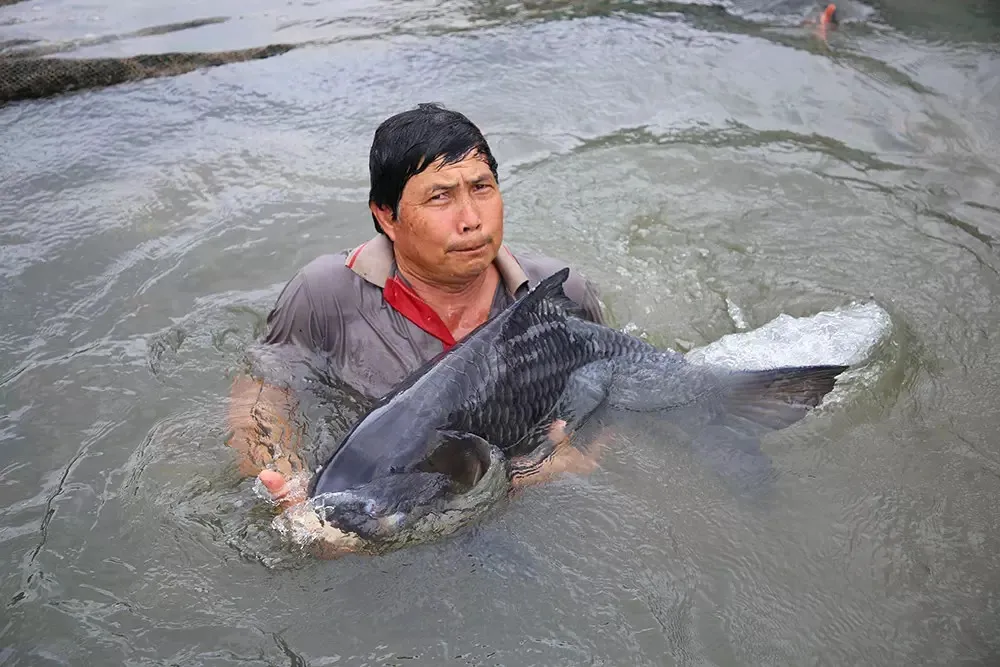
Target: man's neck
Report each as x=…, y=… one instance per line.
x=462, y=307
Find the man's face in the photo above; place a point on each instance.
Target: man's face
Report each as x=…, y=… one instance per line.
x=450, y=222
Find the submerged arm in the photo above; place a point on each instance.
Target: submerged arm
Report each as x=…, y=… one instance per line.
x=263, y=416
x=264, y=433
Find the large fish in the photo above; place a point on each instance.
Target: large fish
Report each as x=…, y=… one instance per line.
x=439, y=451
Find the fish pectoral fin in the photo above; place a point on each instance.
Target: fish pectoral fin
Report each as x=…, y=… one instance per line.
x=461, y=456
x=585, y=391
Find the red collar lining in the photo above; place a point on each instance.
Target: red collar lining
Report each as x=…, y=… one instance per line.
x=401, y=297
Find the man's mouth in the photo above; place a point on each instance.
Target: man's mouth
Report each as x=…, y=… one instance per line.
x=471, y=248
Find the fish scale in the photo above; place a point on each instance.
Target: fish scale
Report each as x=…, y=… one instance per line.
x=534, y=367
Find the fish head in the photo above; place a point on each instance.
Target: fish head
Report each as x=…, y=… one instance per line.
x=457, y=478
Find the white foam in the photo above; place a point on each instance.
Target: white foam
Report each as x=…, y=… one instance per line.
x=842, y=336
x=736, y=314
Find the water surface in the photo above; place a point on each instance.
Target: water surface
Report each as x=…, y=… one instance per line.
x=714, y=168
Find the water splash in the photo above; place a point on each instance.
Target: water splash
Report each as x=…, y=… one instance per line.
x=842, y=336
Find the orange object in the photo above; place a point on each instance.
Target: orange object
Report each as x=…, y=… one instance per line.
x=828, y=19
x=829, y=16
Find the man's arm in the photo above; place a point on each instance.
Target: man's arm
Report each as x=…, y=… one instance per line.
x=262, y=421
x=263, y=417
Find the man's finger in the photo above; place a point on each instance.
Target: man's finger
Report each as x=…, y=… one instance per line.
x=282, y=491
x=557, y=432
x=274, y=482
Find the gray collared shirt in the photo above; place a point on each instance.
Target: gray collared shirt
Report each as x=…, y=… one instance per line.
x=334, y=305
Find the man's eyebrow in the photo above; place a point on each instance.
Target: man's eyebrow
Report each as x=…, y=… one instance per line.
x=447, y=185
x=451, y=185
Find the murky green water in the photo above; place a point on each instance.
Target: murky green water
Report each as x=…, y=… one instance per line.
x=711, y=167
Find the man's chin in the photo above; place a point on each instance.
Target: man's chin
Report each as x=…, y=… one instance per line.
x=468, y=265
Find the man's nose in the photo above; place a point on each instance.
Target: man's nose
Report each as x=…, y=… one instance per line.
x=469, y=215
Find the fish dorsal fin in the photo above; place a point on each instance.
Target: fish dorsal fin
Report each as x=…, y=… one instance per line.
x=551, y=287
x=531, y=308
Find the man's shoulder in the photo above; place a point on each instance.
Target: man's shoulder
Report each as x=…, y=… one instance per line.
x=330, y=274
x=538, y=267
x=328, y=267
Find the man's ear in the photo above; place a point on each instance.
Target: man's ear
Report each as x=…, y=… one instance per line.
x=386, y=219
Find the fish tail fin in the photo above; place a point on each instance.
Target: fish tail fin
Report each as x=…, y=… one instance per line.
x=754, y=403
x=775, y=398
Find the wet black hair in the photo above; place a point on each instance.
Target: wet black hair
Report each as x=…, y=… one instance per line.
x=409, y=142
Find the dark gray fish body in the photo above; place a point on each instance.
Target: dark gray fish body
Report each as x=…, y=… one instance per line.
x=430, y=450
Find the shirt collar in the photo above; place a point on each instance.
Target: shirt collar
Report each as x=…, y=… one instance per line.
x=373, y=260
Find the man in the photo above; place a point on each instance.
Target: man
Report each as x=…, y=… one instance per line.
x=436, y=269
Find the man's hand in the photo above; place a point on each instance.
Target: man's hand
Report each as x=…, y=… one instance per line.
x=565, y=458
x=267, y=441
x=285, y=491
x=319, y=539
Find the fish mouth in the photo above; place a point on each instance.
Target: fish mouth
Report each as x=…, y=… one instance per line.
x=449, y=488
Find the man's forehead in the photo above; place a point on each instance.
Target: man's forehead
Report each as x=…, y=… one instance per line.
x=472, y=165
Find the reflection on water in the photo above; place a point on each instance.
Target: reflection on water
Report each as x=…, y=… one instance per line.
x=714, y=167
